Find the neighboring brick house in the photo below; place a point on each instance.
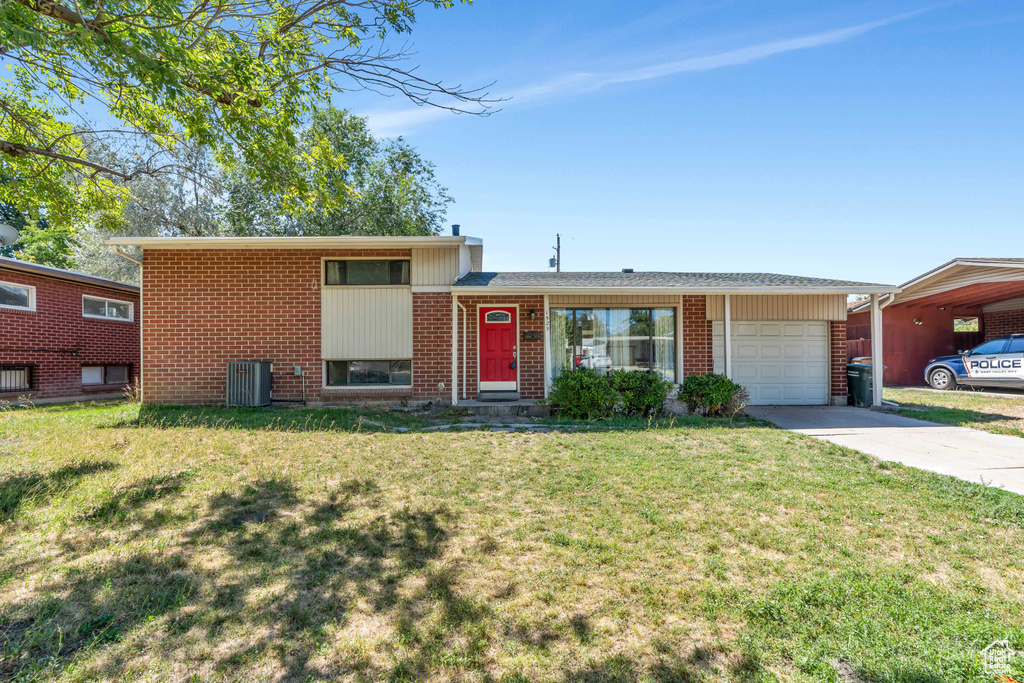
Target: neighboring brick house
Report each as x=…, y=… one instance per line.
x=355, y=319
x=920, y=322
x=65, y=335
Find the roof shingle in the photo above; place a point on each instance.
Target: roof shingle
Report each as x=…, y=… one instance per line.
x=654, y=280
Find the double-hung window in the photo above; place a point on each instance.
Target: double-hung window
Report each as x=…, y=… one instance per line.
x=366, y=272
x=108, y=309
x=17, y=297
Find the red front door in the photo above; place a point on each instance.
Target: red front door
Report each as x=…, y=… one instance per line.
x=498, y=348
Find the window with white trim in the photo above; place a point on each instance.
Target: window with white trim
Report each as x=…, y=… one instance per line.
x=369, y=373
x=17, y=297
x=366, y=272
x=107, y=309
x=95, y=375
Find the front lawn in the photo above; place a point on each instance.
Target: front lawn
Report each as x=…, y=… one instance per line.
x=962, y=408
x=293, y=545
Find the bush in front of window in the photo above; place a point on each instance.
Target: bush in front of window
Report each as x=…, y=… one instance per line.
x=712, y=395
x=582, y=394
x=641, y=393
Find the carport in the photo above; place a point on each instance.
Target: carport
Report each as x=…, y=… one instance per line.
x=919, y=321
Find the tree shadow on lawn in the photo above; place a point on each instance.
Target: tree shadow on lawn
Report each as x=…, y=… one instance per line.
x=18, y=489
x=264, y=579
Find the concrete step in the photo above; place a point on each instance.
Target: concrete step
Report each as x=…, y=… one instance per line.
x=498, y=396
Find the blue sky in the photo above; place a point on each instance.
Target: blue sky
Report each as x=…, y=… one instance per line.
x=862, y=140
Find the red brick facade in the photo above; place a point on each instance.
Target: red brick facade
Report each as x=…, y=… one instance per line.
x=432, y=346
x=837, y=360
x=1001, y=323
x=58, y=340
x=697, y=359
x=208, y=307
x=214, y=306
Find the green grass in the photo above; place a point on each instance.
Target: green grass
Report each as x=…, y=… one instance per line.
x=280, y=545
x=963, y=408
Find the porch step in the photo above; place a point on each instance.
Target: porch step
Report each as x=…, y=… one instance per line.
x=498, y=396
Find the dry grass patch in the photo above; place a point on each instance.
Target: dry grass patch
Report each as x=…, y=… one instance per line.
x=186, y=544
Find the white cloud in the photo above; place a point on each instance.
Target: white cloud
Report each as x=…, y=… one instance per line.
x=397, y=122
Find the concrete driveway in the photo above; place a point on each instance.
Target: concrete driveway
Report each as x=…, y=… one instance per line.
x=958, y=451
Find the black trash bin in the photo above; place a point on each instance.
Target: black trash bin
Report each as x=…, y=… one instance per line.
x=859, y=384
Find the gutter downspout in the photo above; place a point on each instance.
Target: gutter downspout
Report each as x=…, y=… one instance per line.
x=547, y=346
x=463, y=346
x=455, y=350
x=728, y=335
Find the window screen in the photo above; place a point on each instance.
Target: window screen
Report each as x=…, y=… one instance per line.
x=343, y=373
x=92, y=374
x=366, y=272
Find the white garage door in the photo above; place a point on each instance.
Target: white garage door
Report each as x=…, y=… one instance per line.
x=780, y=362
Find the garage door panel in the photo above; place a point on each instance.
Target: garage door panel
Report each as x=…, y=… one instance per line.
x=745, y=373
x=794, y=351
x=778, y=362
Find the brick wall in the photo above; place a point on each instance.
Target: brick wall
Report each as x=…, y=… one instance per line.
x=59, y=340
x=206, y=307
x=837, y=355
x=1002, y=323
x=531, y=352
x=432, y=346
x=697, y=358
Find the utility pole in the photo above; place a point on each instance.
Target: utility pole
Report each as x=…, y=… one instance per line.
x=558, y=253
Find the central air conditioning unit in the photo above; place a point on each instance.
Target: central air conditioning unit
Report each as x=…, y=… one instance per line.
x=249, y=383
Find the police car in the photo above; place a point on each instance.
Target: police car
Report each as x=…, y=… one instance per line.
x=996, y=363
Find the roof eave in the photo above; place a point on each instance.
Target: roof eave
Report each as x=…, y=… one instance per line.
x=343, y=241
x=757, y=291
x=67, y=276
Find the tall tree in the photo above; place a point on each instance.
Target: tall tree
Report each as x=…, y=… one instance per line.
x=385, y=188
x=234, y=76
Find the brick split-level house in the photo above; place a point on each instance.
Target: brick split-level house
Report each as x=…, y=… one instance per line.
x=920, y=321
x=65, y=335
x=418, y=319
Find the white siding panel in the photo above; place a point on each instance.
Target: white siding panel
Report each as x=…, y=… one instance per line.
x=779, y=307
x=439, y=266
x=961, y=276
x=366, y=323
x=476, y=258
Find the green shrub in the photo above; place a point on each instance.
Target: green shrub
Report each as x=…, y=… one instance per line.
x=582, y=394
x=712, y=395
x=640, y=393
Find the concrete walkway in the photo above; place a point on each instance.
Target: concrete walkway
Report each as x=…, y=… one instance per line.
x=958, y=451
